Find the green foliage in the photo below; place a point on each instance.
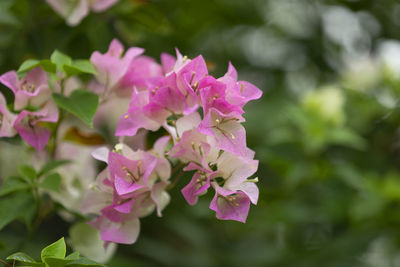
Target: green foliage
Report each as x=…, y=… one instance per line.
x=27, y=172
x=25, y=259
x=16, y=205
x=30, y=64
x=60, y=60
x=54, y=256
x=21, y=192
x=13, y=184
x=51, y=165
x=82, y=103
x=52, y=182
x=56, y=250
x=79, y=67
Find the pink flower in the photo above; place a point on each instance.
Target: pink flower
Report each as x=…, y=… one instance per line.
x=130, y=175
x=123, y=232
x=213, y=95
x=100, y=194
x=239, y=92
x=7, y=119
x=235, y=170
x=132, y=186
x=136, y=118
x=168, y=62
x=150, y=109
x=75, y=11
x=188, y=78
x=230, y=205
x=227, y=131
x=192, y=147
x=199, y=184
x=30, y=91
x=141, y=70
x=112, y=66
x=232, y=200
x=165, y=100
x=29, y=125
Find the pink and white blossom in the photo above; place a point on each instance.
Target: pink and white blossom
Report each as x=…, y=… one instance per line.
x=31, y=91
x=7, y=119
x=75, y=11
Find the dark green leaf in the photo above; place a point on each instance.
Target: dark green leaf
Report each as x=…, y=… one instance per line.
x=52, y=182
x=28, y=65
x=22, y=257
x=55, y=262
x=51, y=165
x=80, y=67
x=28, y=172
x=48, y=66
x=55, y=250
x=60, y=60
x=73, y=256
x=83, y=262
x=12, y=184
x=81, y=103
x=15, y=206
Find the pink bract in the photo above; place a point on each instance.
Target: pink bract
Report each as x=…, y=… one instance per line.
x=32, y=90
x=29, y=125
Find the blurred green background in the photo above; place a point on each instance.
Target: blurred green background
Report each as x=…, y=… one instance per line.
x=325, y=131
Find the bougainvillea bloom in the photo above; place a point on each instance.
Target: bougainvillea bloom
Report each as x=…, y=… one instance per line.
x=31, y=91
x=7, y=119
x=75, y=11
x=112, y=66
x=197, y=119
x=29, y=125
x=133, y=185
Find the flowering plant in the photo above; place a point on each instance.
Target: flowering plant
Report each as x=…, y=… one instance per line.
x=195, y=120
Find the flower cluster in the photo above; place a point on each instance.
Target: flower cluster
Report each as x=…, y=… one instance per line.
x=197, y=117
x=202, y=116
x=34, y=105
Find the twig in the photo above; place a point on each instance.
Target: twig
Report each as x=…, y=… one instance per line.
x=175, y=181
x=5, y=263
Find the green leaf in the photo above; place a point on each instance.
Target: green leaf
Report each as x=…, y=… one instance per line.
x=30, y=64
x=52, y=165
x=80, y=67
x=82, y=103
x=15, y=206
x=13, y=184
x=83, y=262
x=55, y=262
x=73, y=256
x=55, y=250
x=27, y=65
x=48, y=66
x=60, y=60
x=28, y=172
x=52, y=182
x=22, y=257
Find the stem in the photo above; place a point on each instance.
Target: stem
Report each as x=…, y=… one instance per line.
x=5, y=263
x=177, y=167
x=60, y=118
x=55, y=133
x=175, y=181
